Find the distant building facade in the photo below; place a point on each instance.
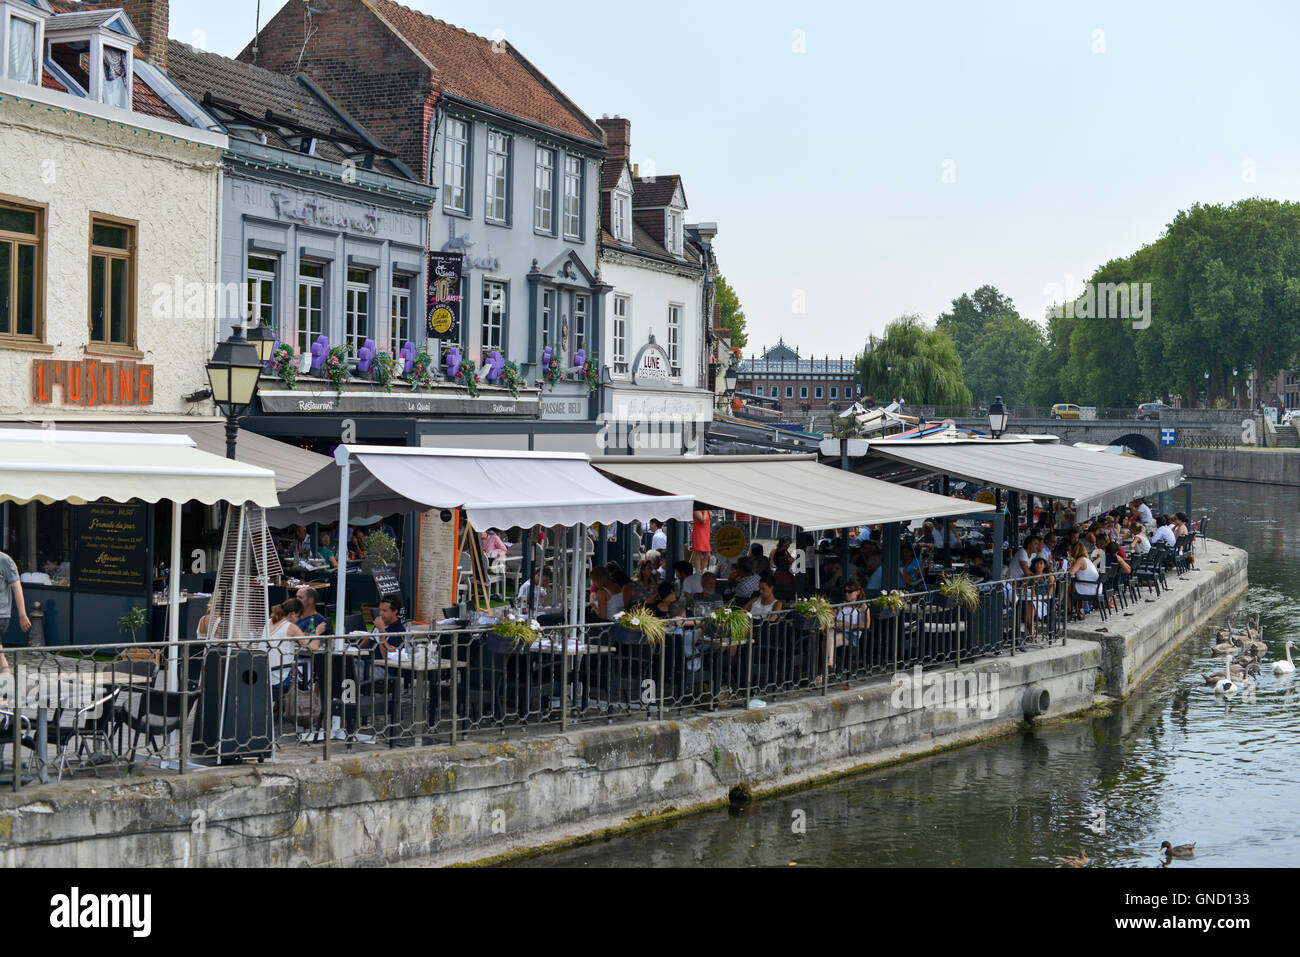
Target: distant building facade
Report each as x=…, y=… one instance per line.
x=799, y=384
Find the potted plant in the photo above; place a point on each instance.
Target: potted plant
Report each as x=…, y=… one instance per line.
x=284, y=365
x=889, y=603
x=813, y=614
x=384, y=370
x=730, y=624
x=591, y=373
x=639, y=624
x=467, y=375
x=336, y=366
x=959, y=590
x=520, y=632
x=422, y=370
x=379, y=549
x=511, y=378
x=552, y=374
x=132, y=622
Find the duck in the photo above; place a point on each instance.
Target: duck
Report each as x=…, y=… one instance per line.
x=1225, y=685
x=1178, y=850
x=1080, y=861
x=1285, y=667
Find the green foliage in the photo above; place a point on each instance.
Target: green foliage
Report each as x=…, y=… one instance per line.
x=912, y=360
x=132, y=621
x=732, y=316
x=961, y=588
x=970, y=314
x=518, y=630
x=379, y=548
x=818, y=607
x=730, y=623
x=1001, y=359
x=641, y=618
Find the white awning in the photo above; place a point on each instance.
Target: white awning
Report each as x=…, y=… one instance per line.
x=1091, y=481
x=497, y=489
x=794, y=489
x=59, y=465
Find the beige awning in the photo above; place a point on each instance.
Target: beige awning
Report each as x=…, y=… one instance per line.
x=61, y=465
x=289, y=463
x=793, y=489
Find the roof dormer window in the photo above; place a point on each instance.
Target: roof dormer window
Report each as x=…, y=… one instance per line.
x=622, y=217
x=21, y=42
x=673, y=232
x=96, y=48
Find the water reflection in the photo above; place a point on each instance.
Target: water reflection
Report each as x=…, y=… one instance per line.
x=1174, y=763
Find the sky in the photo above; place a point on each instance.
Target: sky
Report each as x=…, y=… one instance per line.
x=865, y=160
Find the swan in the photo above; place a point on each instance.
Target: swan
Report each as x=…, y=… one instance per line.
x=1224, y=648
x=1285, y=667
x=1225, y=685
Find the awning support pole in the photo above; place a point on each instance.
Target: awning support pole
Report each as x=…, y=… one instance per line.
x=174, y=600
x=340, y=589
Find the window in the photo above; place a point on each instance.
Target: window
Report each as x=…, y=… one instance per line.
x=117, y=77
x=674, y=338
x=835, y=392
x=261, y=290
x=455, y=167
x=399, y=315
x=21, y=259
x=789, y=392
x=311, y=304
x=356, y=310
x=544, y=192
x=803, y=392
x=673, y=237
x=579, y=322
x=548, y=309
x=23, y=51
x=622, y=218
x=498, y=178
x=817, y=394
x=573, y=197
x=622, y=306
x=494, y=315
x=112, y=282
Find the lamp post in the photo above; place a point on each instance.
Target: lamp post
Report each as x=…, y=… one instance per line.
x=262, y=338
x=998, y=418
x=232, y=373
x=1207, y=388
x=730, y=378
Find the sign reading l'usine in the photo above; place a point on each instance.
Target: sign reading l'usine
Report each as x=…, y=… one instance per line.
x=92, y=382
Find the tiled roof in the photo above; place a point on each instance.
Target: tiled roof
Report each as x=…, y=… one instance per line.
x=643, y=242
x=50, y=83
x=471, y=67
x=256, y=91
x=146, y=101
x=610, y=172
x=655, y=193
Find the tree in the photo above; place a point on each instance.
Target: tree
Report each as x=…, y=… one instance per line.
x=1003, y=354
x=915, y=362
x=970, y=314
x=732, y=316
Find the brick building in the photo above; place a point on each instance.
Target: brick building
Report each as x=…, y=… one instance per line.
x=817, y=385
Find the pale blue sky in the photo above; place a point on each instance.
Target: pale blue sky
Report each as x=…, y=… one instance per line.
x=825, y=169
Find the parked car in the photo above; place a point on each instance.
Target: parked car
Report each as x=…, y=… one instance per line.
x=1151, y=410
x=1290, y=415
x=1065, y=410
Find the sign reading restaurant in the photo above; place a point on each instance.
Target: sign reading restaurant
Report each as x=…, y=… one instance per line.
x=92, y=381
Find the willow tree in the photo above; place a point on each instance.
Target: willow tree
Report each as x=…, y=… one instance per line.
x=915, y=362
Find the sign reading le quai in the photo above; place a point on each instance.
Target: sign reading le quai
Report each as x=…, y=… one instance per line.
x=110, y=551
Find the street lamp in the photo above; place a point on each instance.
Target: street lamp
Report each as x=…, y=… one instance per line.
x=1207, y=388
x=262, y=338
x=998, y=418
x=729, y=379
x=232, y=373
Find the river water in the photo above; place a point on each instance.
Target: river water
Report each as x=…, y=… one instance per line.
x=1173, y=763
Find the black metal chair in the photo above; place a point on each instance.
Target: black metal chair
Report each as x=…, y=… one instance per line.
x=91, y=724
x=157, y=714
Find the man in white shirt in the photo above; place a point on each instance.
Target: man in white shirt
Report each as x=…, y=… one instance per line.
x=1165, y=533
x=1020, y=560
x=937, y=536
x=659, y=536
x=1144, y=512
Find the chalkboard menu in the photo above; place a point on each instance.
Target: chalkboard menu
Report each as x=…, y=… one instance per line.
x=386, y=582
x=110, y=549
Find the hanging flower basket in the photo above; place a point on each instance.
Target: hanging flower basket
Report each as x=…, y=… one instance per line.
x=422, y=371
x=591, y=373
x=285, y=365
x=518, y=630
x=552, y=373
x=336, y=366
x=511, y=379
x=639, y=624
x=467, y=375
x=384, y=370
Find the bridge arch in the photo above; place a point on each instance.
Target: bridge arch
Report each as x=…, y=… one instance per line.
x=1140, y=444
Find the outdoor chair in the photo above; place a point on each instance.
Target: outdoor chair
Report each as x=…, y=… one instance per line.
x=1146, y=573
x=1111, y=598
x=156, y=715
x=25, y=730
x=91, y=729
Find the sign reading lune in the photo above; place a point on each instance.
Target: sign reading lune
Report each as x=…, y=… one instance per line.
x=651, y=366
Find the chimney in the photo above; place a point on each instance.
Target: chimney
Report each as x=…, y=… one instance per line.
x=618, y=138
x=149, y=17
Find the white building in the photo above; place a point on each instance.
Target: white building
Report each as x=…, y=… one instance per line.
x=661, y=270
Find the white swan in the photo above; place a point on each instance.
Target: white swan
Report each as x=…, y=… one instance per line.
x=1285, y=667
x=1226, y=685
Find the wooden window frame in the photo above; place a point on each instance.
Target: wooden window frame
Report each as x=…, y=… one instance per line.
x=36, y=341
x=131, y=348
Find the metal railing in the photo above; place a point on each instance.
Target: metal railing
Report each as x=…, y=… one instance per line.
x=1205, y=440
x=93, y=710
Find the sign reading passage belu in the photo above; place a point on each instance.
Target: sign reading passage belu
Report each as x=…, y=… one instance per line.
x=443, y=314
x=92, y=382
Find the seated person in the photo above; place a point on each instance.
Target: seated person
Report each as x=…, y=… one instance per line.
x=493, y=546
x=709, y=587
x=746, y=586
x=765, y=604
x=976, y=568
x=688, y=579
x=873, y=573
x=389, y=627
x=327, y=553
x=832, y=583
x=356, y=551
x=783, y=574
x=909, y=569
x=666, y=604
x=541, y=582
x=57, y=570
x=312, y=622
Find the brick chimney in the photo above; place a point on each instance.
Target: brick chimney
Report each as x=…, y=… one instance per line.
x=618, y=138
x=150, y=18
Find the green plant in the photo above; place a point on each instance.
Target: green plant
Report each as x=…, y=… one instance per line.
x=520, y=631
x=468, y=375
x=379, y=548
x=511, y=378
x=730, y=623
x=384, y=370
x=132, y=621
x=816, y=607
x=552, y=373
x=336, y=366
x=890, y=600
x=284, y=364
x=422, y=370
x=641, y=618
x=591, y=372
x=961, y=588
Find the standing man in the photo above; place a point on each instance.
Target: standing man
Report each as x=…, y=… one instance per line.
x=701, y=540
x=11, y=593
x=658, y=536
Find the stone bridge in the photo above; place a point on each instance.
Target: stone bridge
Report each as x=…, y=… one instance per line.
x=1142, y=437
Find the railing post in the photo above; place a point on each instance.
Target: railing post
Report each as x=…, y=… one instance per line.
x=564, y=677
x=663, y=661
x=327, y=692
x=15, y=723
x=184, y=679
x=455, y=682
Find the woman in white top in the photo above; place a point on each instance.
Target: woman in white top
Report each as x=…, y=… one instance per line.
x=1087, y=580
x=280, y=654
x=850, y=620
x=765, y=604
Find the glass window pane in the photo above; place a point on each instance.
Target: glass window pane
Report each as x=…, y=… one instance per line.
x=17, y=220
x=25, y=311
x=6, y=283
x=22, y=50
x=98, y=267
x=113, y=237
x=261, y=264
x=117, y=274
